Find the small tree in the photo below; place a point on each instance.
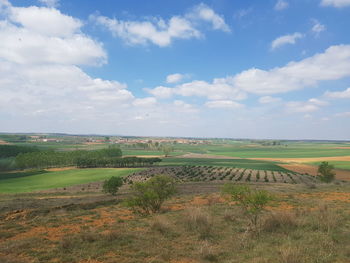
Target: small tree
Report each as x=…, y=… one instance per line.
x=167, y=149
x=325, y=172
x=112, y=185
x=253, y=202
x=148, y=197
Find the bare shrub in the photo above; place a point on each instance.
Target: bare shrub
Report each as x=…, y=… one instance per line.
x=291, y=254
x=89, y=236
x=112, y=235
x=199, y=221
x=229, y=216
x=282, y=220
x=207, y=252
x=160, y=225
x=67, y=243
x=10, y=259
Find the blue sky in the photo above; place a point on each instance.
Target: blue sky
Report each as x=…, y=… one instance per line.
x=221, y=68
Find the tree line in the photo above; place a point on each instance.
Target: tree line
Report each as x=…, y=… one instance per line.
x=13, y=150
x=109, y=157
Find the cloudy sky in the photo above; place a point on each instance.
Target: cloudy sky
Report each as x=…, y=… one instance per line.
x=215, y=68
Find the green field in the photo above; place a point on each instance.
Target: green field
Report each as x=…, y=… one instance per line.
x=293, y=150
x=239, y=163
x=42, y=180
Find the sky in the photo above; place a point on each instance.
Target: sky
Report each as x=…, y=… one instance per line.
x=273, y=69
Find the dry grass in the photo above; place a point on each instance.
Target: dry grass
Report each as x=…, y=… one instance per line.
x=161, y=225
x=208, y=232
x=207, y=252
x=199, y=221
x=290, y=254
x=280, y=220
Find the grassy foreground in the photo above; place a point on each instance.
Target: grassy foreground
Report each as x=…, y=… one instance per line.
x=42, y=180
x=300, y=226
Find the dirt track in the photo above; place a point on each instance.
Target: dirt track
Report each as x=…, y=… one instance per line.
x=306, y=160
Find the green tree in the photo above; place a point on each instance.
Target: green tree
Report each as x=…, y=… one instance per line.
x=112, y=185
x=325, y=172
x=252, y=201
x=167, y=149
x=148, y=197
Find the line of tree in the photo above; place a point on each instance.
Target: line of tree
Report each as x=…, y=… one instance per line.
x=109, y=157
x=13, y=150
x=48, y=159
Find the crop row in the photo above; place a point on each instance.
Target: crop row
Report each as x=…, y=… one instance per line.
x=212, y=173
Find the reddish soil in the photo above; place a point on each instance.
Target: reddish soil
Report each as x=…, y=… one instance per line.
x=328, y=196
x=306, y=160
x=207, y=156
x=312, y=170
x=3, y=142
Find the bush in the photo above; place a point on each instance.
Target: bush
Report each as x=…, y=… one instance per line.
x=112, y=185
x=252, y=201
x=148, y=197
x=199, y=221
x=283, y=220
x=325, y=172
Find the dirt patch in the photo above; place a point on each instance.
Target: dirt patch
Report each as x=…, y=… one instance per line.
x=60, y=169
x=145, y=156
x=205, y=156
x=330, y=196
x=306, y=160
x=183, y=261
x=3, y=142
x=312, y=170
x=344, y=147
x=93, y=143
x=50, y=233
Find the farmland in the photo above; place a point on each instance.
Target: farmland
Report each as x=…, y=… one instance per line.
x=41, y=180
x=54, y=211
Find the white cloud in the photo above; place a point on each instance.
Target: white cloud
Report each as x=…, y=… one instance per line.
x=50, y=3
x=284, y=40
x=40, y=49
x=174, y=78
x=335, y=3
x=268, y=99
x=161, y=92
x=181, y=106
x=145, y=102
x=305, y=107
x=44, y=35
x=343, y=114
x=338, y=94
x=160, y=32
x=281, y=5
x=45, y=21
x=223, y=104
x=333, y=64
x=205, y=13
x=317, y=27
x=242, y=13
x=219, y=89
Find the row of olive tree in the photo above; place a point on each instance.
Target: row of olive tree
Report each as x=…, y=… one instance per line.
x=116, y=162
